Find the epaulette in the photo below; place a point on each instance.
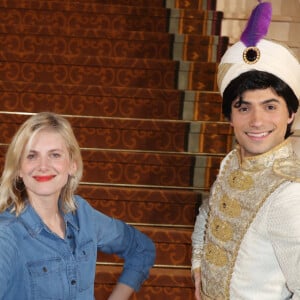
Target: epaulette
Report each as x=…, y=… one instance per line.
x=288, y=168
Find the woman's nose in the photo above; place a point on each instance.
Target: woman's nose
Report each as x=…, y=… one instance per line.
x=43, y=162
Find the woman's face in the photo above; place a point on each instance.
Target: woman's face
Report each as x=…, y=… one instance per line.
x=45, y=166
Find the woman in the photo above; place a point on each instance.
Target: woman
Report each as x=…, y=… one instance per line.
x=49, y=237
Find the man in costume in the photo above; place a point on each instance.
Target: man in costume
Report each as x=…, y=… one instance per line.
x=246, y=240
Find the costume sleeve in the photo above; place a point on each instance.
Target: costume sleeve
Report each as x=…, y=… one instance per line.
x=198, y=235
x=137, y=250
x=284, y=230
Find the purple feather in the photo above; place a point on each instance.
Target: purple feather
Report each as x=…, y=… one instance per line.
x=258, y=24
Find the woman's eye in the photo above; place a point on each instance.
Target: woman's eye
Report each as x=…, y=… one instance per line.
x=31, y=156
x=55, y=155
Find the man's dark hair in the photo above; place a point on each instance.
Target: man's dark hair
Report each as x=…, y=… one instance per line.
x=258, y=80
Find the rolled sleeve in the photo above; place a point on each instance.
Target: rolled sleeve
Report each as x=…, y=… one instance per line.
x=139, y=258
x=137, y=249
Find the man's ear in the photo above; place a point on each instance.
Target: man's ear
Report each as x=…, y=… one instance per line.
x=291, y=118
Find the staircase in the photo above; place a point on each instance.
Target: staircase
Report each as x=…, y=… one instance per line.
x=137, y=81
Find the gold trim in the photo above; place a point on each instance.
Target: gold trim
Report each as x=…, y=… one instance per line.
x=255, y=51
x=246, y=193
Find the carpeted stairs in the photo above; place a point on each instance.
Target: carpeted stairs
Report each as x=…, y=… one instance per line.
x=137, y=80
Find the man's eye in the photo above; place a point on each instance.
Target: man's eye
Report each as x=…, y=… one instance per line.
x=271, y=107
x=243, y=109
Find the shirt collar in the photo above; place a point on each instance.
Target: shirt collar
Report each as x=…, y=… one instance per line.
x=265, y=160
x=71, y=218
x=34, y=223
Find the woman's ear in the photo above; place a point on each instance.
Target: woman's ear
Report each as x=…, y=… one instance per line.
x=73, y=168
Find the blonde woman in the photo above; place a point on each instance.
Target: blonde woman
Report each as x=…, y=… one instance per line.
x=49, y=237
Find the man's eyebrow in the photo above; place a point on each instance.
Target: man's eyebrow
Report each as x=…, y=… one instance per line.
x=271, y=100
x=243, y=101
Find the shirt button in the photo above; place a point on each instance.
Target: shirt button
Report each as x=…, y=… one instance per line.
x=73, y=282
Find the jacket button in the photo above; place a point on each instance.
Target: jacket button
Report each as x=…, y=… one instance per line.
x=73, y=282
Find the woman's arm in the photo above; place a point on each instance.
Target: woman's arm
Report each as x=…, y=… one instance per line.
x=8, y=258
x=121, y=292
x=137, y=249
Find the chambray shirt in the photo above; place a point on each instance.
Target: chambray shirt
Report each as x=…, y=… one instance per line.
x=37, y=264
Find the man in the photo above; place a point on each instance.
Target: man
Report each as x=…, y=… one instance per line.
x=246, y=240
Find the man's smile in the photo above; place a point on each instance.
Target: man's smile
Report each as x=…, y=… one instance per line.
x=259, y=134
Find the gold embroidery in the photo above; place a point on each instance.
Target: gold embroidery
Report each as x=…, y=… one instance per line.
x=215, y=255
x=239, y=180
x=288, y=168
x=230, y=207
x=236, y=198
x=221, y=230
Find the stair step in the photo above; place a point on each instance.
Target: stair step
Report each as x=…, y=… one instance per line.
x=163, y=206
x=144, y=3
x=102, y=71
x=173, y=247
x=205, y=106
x=183, y=4
x=139, y=134
x=145, y=174
x=195, y=47
x=113, y=72
x=144, y=169
x=188, y=8
x=130, y=44
x=114, y=133
x=92, y=100
x=35, y=60
x=119, y=102
x=162, y=284
x=100, y=8
x=69, y=17
x=192, y=4
x=192, y=21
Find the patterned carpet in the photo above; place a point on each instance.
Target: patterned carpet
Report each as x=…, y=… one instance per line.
x=137, y=80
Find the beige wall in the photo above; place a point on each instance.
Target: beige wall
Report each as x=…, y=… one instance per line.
x=285, y=25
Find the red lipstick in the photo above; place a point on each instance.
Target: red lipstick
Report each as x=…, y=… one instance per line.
x=43, y=178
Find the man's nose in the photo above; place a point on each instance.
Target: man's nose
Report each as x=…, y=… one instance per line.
x=256, y=118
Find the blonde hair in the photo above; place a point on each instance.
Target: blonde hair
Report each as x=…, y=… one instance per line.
x=12, y=189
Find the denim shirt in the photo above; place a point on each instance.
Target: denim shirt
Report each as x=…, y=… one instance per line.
x=35, y=263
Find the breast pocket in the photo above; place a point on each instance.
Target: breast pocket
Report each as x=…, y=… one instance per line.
x=86, y=260
x=46, y=279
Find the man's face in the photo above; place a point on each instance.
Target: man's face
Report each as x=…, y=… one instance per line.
x=261, y=121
